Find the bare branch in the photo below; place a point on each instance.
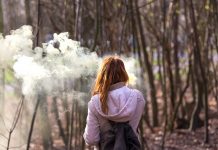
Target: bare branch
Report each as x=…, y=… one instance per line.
x=4, y=122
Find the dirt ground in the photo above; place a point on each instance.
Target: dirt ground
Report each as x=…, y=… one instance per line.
x=183, y=139
x=179, y=139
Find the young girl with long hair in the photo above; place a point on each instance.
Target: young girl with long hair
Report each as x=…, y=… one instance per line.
x=112, y=100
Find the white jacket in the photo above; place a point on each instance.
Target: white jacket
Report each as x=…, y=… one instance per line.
x=124, y=104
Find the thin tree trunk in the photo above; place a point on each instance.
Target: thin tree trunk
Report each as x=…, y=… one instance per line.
x=182, y=93
x=69, y=17
x=167, y=50
x=71, y=127
x=7, y=18
x=1, y=18
x=45, y=126
x=201, y=78
x=148, y=69
x=58, y=120
x=97, y=24
x=84, y=123
x=2, y=90
x=27, y=9
x=32, y=123
x=74, y=125
x=38, y=23
x=123, y=29
x=77, y=124
x=77, y=19
x=175, y=25
x=67, y=113
x=136, y=42
x=162, y=75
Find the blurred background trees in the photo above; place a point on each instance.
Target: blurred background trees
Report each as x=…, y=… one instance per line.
x=175, y=42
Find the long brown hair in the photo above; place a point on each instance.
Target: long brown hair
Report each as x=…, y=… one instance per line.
x=111, y=71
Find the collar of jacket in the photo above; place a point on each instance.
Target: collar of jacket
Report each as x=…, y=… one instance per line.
x=117, y=86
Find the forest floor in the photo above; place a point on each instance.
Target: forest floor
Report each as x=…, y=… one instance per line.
x=186, y=140
x=183, y=139
x=179, y=139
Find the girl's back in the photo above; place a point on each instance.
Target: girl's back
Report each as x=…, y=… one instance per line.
x=117, y=103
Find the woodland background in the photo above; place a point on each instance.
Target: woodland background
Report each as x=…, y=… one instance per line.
x=175, y=43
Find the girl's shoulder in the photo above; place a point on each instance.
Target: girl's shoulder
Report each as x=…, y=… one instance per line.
x=94, y=99
x=139, y=94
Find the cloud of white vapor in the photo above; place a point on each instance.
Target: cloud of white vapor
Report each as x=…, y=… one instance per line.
x=58, y=60
x=49, y=67
x=18, y=41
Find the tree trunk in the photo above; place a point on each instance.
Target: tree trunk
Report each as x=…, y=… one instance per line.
x=38, y=24
x=2, y=90
x=27, y=9
x=148, y=69
x=1, y=18
x=33, y=122
x=70, y=16
x=67, y=113
x=200, y=77
x=97, y=24
x=58, y=120
x=6, y=15
x=45, y=126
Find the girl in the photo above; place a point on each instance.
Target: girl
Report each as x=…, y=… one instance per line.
x=112, y=100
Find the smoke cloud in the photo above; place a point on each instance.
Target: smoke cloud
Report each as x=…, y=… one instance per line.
x=17, y=41
x=47, y=67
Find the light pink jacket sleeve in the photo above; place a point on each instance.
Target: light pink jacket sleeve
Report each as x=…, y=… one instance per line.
x=135, y=119
x=92, y=129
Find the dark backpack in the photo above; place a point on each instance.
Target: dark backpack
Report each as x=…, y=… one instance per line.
x=118, y=136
